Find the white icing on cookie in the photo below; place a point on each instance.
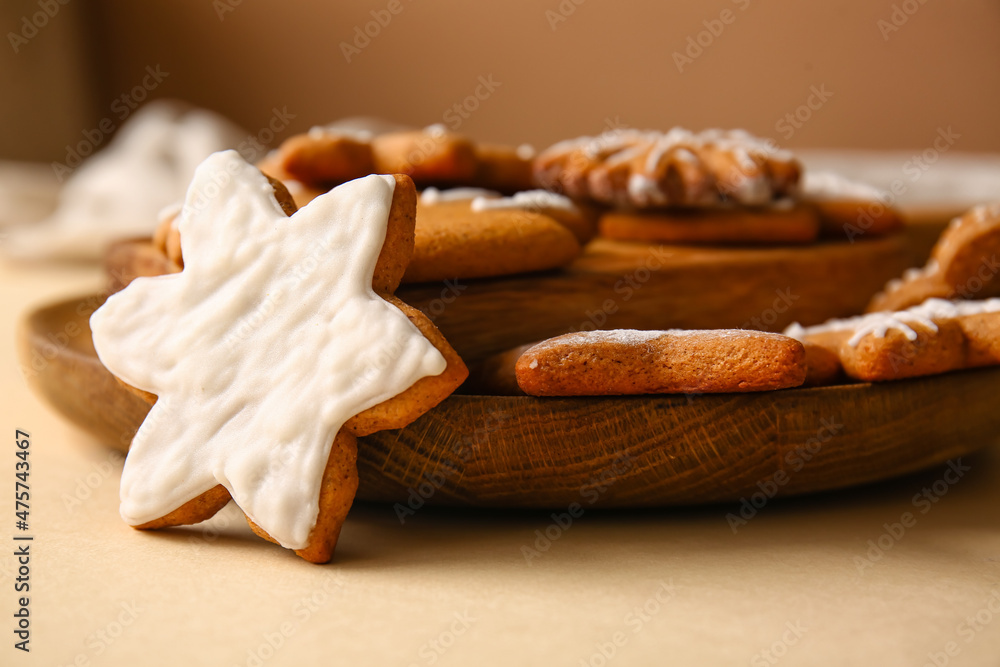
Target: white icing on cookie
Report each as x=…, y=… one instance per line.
x=748, y=184
x=267, y=342
x=644, y=191
x=529, y=200
x=983, y=214
x=639, y=338
x=432, y=196
x=334, y=130
x=525, y=151
x=828, y=186
x=437, y=130
x=879, y=324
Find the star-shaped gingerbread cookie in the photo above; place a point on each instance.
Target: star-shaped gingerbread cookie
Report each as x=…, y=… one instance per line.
x=277, y=344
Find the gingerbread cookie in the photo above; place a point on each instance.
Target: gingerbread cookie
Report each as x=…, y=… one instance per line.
x=460, y=233
x=772, y=225
x=276, y=346
x=577, y=218
x=848, y=209
x=429, y=156
x=608, y=363
x=935, y=337
x=493, y=236
x=963, y=264
x=646, y=169
x=504, y=168
x=326, y=156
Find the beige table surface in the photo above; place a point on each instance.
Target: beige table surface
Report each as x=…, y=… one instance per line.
x=672, y=587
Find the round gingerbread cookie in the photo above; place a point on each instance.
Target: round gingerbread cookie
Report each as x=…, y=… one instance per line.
x=736, y=225
x=649, y=169
x=849, y=209
x=477, y=234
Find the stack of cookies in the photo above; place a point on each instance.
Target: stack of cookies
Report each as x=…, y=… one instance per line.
x=712, y=187
x=479, y=214
x=272, y=337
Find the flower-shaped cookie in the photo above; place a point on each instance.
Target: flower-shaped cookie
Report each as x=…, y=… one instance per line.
x=634, y=169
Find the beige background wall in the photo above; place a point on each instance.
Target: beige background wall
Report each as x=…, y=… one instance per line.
x=607, y=60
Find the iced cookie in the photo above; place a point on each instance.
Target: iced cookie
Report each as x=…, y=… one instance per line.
x=277, y=345
x=963, y=265
x=607, y=363
x=935, y=337
x=647, y=169
x=492, y=236
x=848, y=209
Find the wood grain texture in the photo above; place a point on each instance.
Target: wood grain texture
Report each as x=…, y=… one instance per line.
x=619, y=285
x=519, y=451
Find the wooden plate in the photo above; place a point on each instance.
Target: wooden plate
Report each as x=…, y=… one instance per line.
x=610, y=452
x=617, y=285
